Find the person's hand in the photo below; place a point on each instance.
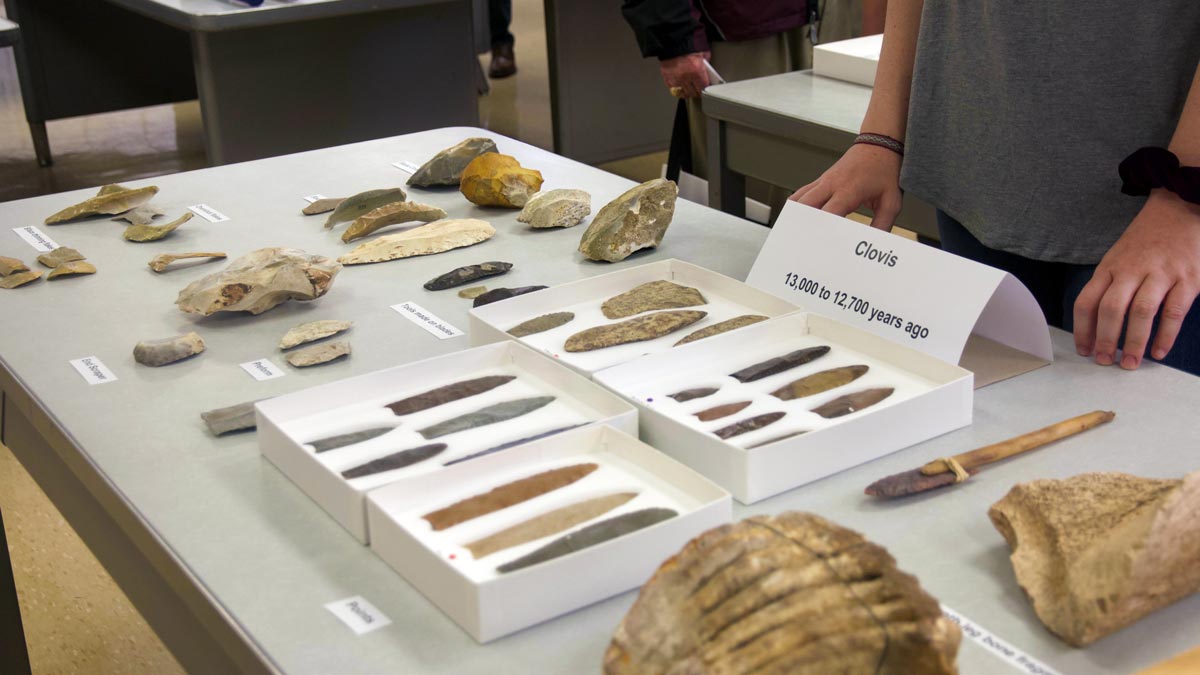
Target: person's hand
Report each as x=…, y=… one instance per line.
x=1152, y=270
x=685, y=74
x=866, y=174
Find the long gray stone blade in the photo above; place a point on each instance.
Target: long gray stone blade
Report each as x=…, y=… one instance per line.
x=591, y=535
x=451, y=392
x=513, y=444
x=396, y=460
x=342, y=440
x=490, y=415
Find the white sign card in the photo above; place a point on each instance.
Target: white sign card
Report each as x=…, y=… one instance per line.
x=262, y=369
x=407, y=167
x=313, y=198
x=359, y=615
x=34, y=236
x=208, y=213
x=1006, y=652
x=427, y=320
x=93, y=370
x=905, y=291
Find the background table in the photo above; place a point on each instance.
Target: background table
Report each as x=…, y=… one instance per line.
x=232, y=564
x=787, y=130
x=279, y=78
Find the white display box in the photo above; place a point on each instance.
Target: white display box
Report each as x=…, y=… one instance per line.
x=854, y=60
x=488, y=604
x=286, y=422
x=931, y=397
x=726, y=298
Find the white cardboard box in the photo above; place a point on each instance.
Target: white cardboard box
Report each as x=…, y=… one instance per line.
x=489, y=605
x=854, y=60
x=726, y=297
x=938, y=399
x=282, y=420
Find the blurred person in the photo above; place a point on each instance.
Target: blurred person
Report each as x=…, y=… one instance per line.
x=504, y=61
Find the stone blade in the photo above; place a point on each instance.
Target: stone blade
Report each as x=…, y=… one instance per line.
x=446, y=167
x=155, y=353
x=910, y=483
x=844, y=405
x=313, y=331
x=597, y=533
x=466, y=274
x=322, y=206
x=18, y=279
x=513, y=444
x=541, y=324
x=448, y=393
x=717, y=412
x=60, y=256
x=239, y=417
x=343, y=440
x=363, y=203
x=507, y=495
x=436, y=237
x=11, y=266
x=651, y=296
x=749, y=424
x=396, y=460
x=161, y=261
x=493, y=414
x=498, y=294
x=689, y=394
x=395, y=213
x=552, y=522
x=637, y=219
x=637, y=329
x=318, y=354
x=722, y=327
x=820, y=382
x=780, y=364
x=144, y=233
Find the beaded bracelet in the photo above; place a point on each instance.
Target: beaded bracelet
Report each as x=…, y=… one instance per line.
x=882, y=141
x=1150, y=168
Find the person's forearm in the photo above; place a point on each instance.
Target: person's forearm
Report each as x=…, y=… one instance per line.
x=873, y=13
x=1186, y=141
x=888, y=111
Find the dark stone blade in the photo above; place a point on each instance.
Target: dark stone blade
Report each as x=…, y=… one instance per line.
x=396, y=460
x=451, y=392
x=490, y=415
x=717, y=412
x=507, y=495
x=513, y=444
x=689, y=394
x=467, y=274
x=541, y=324
x=749, y=424
x=498, y=294
x=596, y=533
x=844, y=405
x=779, y=364
x=238, y=417
x=342, y=440
x=910, y=483
x=777, y=439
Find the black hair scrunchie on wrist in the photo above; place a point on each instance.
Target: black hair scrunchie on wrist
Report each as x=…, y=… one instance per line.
x=1150, y=168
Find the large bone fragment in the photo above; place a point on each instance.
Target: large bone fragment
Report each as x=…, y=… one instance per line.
x=790, y=594
x=111, y=200
x=144, y=233
x=436, y=237
x=1099, y=551
x=259, y=281
x=161, y=261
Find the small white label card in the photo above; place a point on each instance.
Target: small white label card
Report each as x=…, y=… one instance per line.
x=407, y=167
x=262, y=369
x=907, y=292
x=312, y=198
x=208, y=213
x=359, y=615
x=93, y=370
x=1006, y=652
x=427, y=320
x=34, y=236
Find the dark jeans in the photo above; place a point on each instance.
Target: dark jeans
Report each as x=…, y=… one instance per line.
x=499, y=18
x=1056, y=285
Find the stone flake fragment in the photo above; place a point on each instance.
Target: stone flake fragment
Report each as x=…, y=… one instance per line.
x=60, y=255
x=155, y=353
x=318, y=354
x=507, y=495
x=1099, y=551
x=637, y=329
x=498, y=294
x=142, y=215
x=725, y=410
x=436, y=237
x=143, y=233
x=11, y=266
x=722, y=327
x=596, y=533
x=259, y=281
x=493, y=414
x=396, y=460
x=17, y=279
x=110, y=200
x=651, y=296
x=549, y=523
x=73, y=268
x=467, y=274
x=395, y=213
x=493, y=179
x=363, y=203
x=792, y=593
x=324, y=205
x=448, y=394
x=541, y=324
x=446, y=167
x=637, y=219
x=689, y=394
x=343, y=440
x=780, y=364
x=820, y=382
x=313, y=331
x=239, y=417
x=749, y=424
x=160, y=262
x=556, y=208
x=851, y=403
x=472, y=292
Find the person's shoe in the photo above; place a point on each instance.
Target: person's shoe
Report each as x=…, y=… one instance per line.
x=504, y=64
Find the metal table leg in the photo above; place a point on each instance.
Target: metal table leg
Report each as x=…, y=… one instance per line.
x=726, y=188
x=14, y=655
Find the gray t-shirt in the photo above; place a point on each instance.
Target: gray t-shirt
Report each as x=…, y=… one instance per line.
x=1022, y=110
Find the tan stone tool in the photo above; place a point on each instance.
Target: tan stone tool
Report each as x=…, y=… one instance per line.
x=956, y=469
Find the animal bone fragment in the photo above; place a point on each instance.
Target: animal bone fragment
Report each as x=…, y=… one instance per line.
x=143, y=233
x=142, y=215
x=363, y=203
x=155, y=353
x=160, y=262
x=109, y=201
x=637, y=329
x=556, y=208
x=59, y=256
x=259, y=281
x=637, y=219
x=239, y=417
x=436, y=237
x=651, y=296
x=391, y=214
x=507, y=495
x=492, y=179
x=11, y=266
x=313, y=331
x=318, y=354
x=446, y=167
x=17, y=279
x=73, y=268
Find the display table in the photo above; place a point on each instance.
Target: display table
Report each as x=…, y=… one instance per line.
x=787, y=130
x=9, y=33
x=232, y=564
x=279, y=78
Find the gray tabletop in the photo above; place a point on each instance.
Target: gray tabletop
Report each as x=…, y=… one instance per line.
x=272, y=558
x=783, y=99
x=9, y=32
x=217, y=15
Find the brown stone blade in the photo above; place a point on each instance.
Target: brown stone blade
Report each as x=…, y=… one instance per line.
x=749, y=424
x=596, y=533
x=717, y=412
x=638, y=329
x=451, y=392
x=553, y=522
x=780, y=364
x=508, y=495
x=820, y=382
x=910, y=483
x=541, y=324
x=651, y=296
x=850, y=403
